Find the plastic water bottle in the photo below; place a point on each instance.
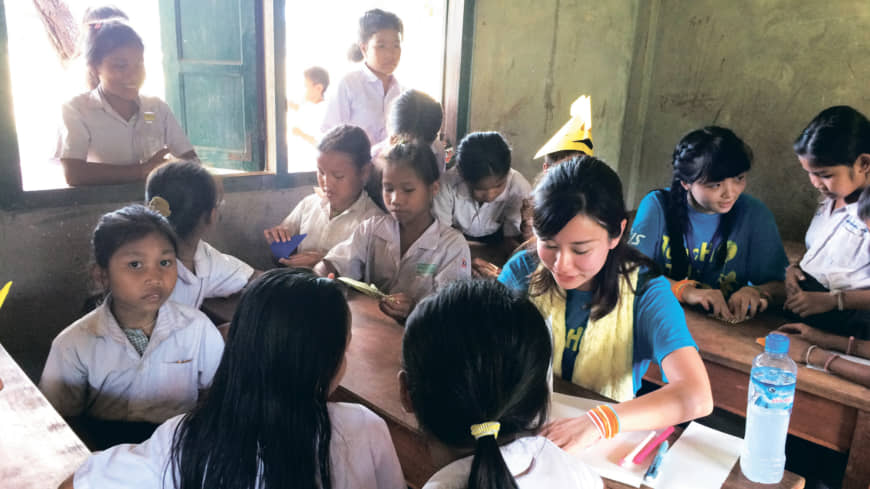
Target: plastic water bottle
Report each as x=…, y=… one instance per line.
x=771, y=397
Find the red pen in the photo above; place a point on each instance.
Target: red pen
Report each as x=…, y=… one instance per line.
x=651, y=446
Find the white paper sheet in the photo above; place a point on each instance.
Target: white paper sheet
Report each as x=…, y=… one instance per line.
x=701, y=458
x=604, y=456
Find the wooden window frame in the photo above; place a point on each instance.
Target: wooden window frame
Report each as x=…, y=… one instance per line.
x=459, y=31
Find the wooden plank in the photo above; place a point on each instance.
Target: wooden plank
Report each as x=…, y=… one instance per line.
x=857, y=474
x=37, y=448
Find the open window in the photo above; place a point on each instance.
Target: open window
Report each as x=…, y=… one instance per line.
x=224, y=70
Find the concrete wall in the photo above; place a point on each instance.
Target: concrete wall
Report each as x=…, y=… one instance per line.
x=761, y=67
x=47, y=251
x=533, y=58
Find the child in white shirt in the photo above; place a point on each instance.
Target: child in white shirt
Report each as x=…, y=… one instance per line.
x=829, y=288
x=483, y=196
x=489, y=395
x=329, y=216
x=189, y=197
x=408, y=253
x=138, y=357
x=266, y=421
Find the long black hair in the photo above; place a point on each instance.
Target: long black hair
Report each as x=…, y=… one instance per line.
x=586, y=185
x=189, y=189
x=265, y=416
x=706, y=155
x=496, y=371
x=837, y=136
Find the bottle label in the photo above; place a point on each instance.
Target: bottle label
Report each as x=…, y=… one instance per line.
x=773, y=396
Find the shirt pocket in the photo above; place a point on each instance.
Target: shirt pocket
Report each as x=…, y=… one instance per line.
x=852, y=245
x=176, y=381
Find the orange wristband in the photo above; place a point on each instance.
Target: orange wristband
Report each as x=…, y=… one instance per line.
x=680, y=286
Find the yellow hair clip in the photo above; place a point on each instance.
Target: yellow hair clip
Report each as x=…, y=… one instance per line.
x=490, y=428
x=160, y=205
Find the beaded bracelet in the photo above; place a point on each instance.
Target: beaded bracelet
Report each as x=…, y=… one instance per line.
x=829, y=360
x=605, y=420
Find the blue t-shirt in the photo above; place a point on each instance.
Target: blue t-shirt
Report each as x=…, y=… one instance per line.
x=659, y=321
x=755, y=252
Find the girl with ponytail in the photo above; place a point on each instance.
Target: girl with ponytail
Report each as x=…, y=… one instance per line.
x=482, y=405
x=363, y=96
x=718, y=246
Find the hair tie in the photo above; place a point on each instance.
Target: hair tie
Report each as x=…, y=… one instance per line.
x=161, y=205
x=490, y=428
x=96, y=25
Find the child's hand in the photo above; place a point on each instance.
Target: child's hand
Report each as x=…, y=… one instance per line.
x=746, y=303
x=711, y=300
x=793, y=275
x=797, y=348
x=572, y=434
x=304, y=259
x=277, y=234
x=481, y=268
x=809, y=303
x=397, y=306
x=812, y=335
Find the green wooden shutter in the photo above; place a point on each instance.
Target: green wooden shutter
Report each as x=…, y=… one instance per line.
x=210, y=58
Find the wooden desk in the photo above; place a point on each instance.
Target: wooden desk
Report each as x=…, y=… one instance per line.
x=828, y=410
x=371, y=379
x=37, y=448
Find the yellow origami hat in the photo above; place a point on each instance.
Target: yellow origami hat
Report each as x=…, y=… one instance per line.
x=4, y=292
x=576, y=133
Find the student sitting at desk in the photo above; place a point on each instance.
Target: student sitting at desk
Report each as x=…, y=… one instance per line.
x=483, y=405
x=407, y=253
x=139, y=357
x=718, y=246
x=329, y=216
x=266, y=422
x=829, y=288
x=190, y=198
x=483, y=196
x=112, y=134
x=609, y=313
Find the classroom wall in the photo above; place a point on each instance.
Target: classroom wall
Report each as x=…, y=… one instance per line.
x=47, y=251
x=531, y=59
x=763, y=68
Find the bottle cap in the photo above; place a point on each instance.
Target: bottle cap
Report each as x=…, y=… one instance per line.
x=776, y=343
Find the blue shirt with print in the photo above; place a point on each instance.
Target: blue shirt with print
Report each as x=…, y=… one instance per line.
x=755, y=253
x=659, y=322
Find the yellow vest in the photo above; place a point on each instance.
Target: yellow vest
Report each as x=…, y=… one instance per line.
x=605, y=354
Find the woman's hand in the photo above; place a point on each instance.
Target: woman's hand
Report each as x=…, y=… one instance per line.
x=746, y=303
x=711, y=300
x=397, y=306
x=304, y=259
x=809, y=303
x=572, y=434
x=481, y=268
x=811, y=335
x=277, y=234
x=793, y=276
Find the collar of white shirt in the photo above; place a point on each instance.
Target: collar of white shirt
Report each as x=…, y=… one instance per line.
x=371, y=77
x=359, y=205
x=168, y=320
x=201, y=263
x=427, y=241
x=97, y=102
x=519, y=455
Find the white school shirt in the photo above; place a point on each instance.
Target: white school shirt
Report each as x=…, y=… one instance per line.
x=542, y=464
x=94, y=132
x=373, y=254
x=361, y=454
x=359, y=99
x=455, y=206
x=838, y=248
x=311, y=217
x=217, y=275
x=93, y=368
